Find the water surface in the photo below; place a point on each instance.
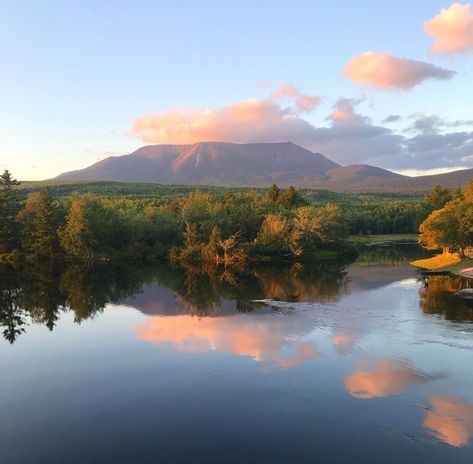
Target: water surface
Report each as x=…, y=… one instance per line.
x=336, y=364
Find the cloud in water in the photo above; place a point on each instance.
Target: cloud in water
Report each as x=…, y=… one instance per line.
x=262, y=338
x=452, y=29
x=385, y=377
x=450, y=419
x=386, y=71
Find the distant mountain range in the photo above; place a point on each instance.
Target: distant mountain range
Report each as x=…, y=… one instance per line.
x=253, y=165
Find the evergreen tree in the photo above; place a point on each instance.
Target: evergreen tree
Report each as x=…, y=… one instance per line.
x=437, y=197
x=272, y=194
x=9, y=206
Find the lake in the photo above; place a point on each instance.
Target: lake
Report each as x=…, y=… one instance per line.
x=366, y=362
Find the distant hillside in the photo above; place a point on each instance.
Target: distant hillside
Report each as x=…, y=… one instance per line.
x=253, y=165
x=212, y=163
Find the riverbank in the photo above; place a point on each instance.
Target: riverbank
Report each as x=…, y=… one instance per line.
x=446, y=263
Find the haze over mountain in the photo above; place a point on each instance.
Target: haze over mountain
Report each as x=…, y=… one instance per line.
x=252, y=165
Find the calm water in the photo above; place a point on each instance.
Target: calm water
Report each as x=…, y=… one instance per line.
x=364, y=363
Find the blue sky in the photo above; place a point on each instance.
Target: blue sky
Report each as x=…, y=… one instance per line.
x=77, y=74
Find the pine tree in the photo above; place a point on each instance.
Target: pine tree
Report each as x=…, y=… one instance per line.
x=9, y=206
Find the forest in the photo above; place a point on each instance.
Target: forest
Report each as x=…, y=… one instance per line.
x=218, y=227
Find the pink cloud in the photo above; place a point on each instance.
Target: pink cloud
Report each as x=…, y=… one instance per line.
x=303, y=103
x=344, y=110
x=385, y=71
x=254, y=120
x=349, y=137
x=451, y=29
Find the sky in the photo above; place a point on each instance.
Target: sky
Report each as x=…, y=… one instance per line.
x=366, y=82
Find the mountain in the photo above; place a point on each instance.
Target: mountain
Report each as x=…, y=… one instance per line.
x=212, y=163
x=253, y=165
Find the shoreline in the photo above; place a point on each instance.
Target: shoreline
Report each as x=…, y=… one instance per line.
x=451, y=264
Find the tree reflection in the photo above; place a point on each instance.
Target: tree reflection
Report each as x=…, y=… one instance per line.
x=12, y=315
x=42, y=292
x=39, y=294
x=437, y=296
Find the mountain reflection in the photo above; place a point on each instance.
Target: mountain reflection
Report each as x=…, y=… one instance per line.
x=384, y=377
x=450, y=420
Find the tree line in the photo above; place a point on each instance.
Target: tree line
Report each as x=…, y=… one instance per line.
x=217, y=227
x=231, y=230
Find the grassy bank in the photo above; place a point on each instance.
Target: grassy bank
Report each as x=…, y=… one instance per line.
x=445, y=262
x=382, y=239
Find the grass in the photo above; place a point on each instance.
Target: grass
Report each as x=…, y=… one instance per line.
x=451, y=263
x=438, y=262
x=381, y=239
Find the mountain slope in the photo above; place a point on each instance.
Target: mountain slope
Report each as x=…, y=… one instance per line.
x=253, y=165
x=212, y=163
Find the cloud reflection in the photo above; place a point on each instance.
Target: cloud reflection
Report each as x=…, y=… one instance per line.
x=385, y=377
x=450, y=420
x=263, y=338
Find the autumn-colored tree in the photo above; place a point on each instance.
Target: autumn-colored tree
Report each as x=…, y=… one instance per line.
x=39, y=220
x=332, y=223
x=439, y=231
x=277, y=236
x=449, y=228
x=76, y=236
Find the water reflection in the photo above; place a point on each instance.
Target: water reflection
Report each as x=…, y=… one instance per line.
x=327, y=338
x=40, y=294
x=262, y=337
x=384, y=377
x=437, y=296
x=450, y=420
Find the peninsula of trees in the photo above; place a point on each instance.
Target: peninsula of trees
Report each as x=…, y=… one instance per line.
x=232, y=230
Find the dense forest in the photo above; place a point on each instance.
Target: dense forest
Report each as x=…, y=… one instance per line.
x=228, y=227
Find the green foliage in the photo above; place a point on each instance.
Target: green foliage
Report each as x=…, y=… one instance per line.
x=437, y=197
x=147, y=221
x=40, y=220
x=9, y=207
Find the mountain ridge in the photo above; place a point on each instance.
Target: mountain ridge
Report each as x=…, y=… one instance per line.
x=252, y=165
